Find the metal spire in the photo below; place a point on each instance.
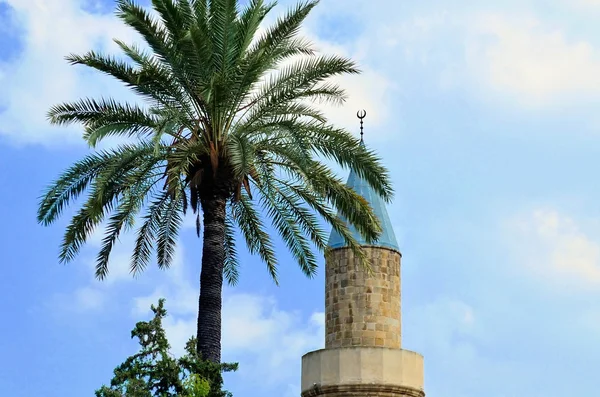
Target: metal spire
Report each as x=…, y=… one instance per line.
x=387, y=238
x=361, y=114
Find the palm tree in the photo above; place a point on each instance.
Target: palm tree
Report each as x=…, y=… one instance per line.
x=229, y=130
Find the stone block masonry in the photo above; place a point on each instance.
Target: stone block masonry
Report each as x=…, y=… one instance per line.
x=363, y=309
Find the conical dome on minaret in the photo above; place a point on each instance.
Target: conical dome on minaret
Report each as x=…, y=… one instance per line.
x=387, y=239
x=363, y=353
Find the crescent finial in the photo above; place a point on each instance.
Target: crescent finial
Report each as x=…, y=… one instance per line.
x=361, y=114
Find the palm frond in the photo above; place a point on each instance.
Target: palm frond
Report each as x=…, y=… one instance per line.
x=298, y=81
x=334, y=144
x=349, y=204
x=123, y=217
x=223, y=14
x=166, y=236
x=248, y=23
x=290, y=232
x=179, y=59
x=146, y=234
x=151, y=31
x=253, y=230
x=176, y=17
x=103, y=118
x=152, y=80
x=289, y=219
x=125, y=167
x=69, y=186
x=321, y=207
x=302, y=216
x=231, y=266
x=241, y=155
x=284, y=29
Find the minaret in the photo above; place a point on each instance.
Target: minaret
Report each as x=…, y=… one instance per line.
x=363, y=355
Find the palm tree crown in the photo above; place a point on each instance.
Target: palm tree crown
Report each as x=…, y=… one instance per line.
x=230, y=129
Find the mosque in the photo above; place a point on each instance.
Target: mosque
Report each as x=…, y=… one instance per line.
x=363, y=353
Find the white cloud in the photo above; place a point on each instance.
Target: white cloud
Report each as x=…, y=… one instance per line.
x=534, y=63
x=592, y=3
x=272, y=339
x=448, y=332
x=438, y=323
x=514, y=313
x=554, y=248
x=491, y=49
x=88, y=298
x=85, y=299
x=41, y=78
x=369, y=90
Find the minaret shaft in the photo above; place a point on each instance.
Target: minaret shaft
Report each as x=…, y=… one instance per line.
x=362, y=309
x=363, y=355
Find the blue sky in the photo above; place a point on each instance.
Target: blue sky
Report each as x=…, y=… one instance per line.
x=485, y=114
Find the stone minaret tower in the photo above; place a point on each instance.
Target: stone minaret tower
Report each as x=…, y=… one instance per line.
x=363, y=355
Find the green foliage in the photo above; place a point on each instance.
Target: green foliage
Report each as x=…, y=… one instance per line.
x=231, y=114
x=154, y=372
x=196, y=386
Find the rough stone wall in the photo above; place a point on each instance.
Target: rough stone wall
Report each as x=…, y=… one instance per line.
x=362, y=309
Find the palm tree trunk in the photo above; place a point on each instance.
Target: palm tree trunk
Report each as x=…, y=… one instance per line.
x=211, y=280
